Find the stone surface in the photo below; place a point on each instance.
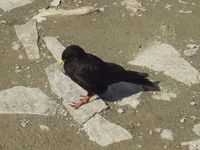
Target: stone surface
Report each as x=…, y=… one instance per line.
x=196, y=129
x=190, y=52
x=104, y=132
x=193, y=145
x=133, y=5
x=8, y=5
x=24, y=100
x=163, y=57
x=64, y=87
x=62, y=12
x=28, y=35
x=54, y=46
x=167, y=134
x=55, y=3
x=164, y=95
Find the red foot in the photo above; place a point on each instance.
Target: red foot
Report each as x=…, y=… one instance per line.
x=82, y=101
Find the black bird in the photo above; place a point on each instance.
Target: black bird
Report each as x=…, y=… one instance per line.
x=94, y=74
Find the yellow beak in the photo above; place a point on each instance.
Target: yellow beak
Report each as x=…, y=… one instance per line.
x=61, y=62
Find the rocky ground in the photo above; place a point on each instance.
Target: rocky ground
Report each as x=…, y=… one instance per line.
x=159, y=37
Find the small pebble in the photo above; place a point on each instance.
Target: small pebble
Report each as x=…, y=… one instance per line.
x=120, y=111
x=20, y=56
x=24, y=123
x=44, y=127
x=102, y=9
x=17, y=67
x=193, y=103
x=158, y=130
x=167, y=134
x=183, y=120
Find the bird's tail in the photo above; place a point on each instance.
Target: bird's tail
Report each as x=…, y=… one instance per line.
x=138, y=78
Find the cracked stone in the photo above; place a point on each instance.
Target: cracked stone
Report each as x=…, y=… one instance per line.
x=8, y=5
x=165, y=58
x=28, y=35
x=24, y=100
x=104, y=132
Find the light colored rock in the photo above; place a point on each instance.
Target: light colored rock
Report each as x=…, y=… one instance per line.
x=167, y=134
x=120, y=111
x=165, y=58
x=133, y=100
x=185, y=11
x=164, y=95
x=104, y=132
x=54, y=46
x=53, y=11
x=15, y=45
x=158, y=130
x=28, y=35
x=193, y=145
x=55, y=3
x=127, y=93
x=64, y=87
x=24, y=123
x=44, y=127
x=8, y=5
x=190, y=52
x=196, y=129
x=24, y=100
x=133, y=5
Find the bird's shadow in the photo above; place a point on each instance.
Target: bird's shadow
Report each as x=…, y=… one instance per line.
x=121, y=90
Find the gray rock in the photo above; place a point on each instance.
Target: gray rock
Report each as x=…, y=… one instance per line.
x=64, y=87
x=193, y=145
x=24, y=100
x=24, y=123
x=54, y=46
x=62, y=12
x=8, y=5
x=196, y=129
x=167, y=134
x=134, y=6
x=164, y=95
x=190, y=52
x=28, y=35
x=104, y=132
x=55, y=3
x=163, y=57
x=120, y=111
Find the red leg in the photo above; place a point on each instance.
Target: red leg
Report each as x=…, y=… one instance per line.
x=82, y=101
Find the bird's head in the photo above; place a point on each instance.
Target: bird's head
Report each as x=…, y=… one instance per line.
x=71, y=52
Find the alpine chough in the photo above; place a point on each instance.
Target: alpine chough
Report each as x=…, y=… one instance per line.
x=95, y=75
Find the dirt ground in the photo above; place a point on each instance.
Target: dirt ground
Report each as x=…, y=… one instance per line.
x=115, y=36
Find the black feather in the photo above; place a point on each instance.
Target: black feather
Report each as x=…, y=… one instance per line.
x=93, y=74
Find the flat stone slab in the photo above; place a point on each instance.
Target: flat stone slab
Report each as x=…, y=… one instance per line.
x=104, y=132
x=24, y=100
x=62, y=12
x=64, y=87
x=54, y=46
x=8, y=5
x=165, y=58
x=28, y=35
